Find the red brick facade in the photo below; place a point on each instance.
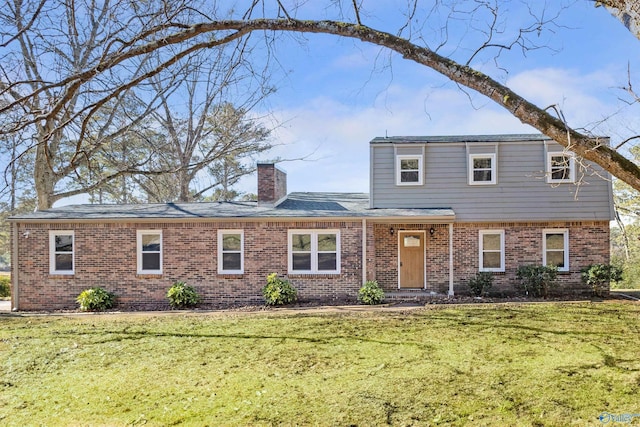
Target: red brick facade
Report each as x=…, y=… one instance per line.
x=588, y=244
x=105, y=255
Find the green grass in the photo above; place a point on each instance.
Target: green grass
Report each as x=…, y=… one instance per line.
x=539, y=364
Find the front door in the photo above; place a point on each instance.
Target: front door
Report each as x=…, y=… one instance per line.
x=411, y=259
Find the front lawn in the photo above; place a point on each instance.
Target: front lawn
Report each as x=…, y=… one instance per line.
x=539, y=364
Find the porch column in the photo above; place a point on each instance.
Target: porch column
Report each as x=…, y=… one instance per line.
x=451, y=259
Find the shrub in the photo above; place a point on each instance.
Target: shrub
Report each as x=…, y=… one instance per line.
x=537, y=280
x=96, y=299
x=371, y=293
x=598, y=277
x=278, y=291
x=480, y=283
x=181, y=295
x=5, y=286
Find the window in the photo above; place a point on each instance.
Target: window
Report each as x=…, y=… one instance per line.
x=149, y=252
x=230, y=251
x=409, y=170
x=482, y=169
x=314, y=251
x=492, y=250
x=61, y=252
x=555, y=249
x=560, y=168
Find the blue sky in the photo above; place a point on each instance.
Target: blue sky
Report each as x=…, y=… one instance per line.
x=333, y=100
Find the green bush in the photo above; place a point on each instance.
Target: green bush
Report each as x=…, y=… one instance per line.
x=599, y=276
x=96, y=299
x=371, y=293
x=5, y=286
x=278, y=291
x=537, y=280
x=181, y=295
x=480, y=283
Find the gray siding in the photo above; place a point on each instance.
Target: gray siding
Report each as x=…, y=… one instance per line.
x=521, y=192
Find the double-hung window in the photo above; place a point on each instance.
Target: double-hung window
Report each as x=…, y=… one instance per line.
x=149, y=251
x=491, y=245
x=482, y=169
x=314, y=251
x=555, y=248
x=230, y=251
x=409, y=170
x=61, y=252
x=560, y=168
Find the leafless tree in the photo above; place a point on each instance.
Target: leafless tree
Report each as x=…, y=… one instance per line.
x=426, y=36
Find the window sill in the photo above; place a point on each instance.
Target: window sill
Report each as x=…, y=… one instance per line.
x=230, y=275
x=312, y=275
x=61, y=276
x=149, y=275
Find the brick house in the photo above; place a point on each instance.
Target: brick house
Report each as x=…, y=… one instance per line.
x=439, y=210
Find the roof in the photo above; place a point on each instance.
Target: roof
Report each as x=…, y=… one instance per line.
x=296, y=205
x=460, y=138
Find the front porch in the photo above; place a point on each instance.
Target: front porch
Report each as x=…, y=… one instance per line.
x=411, y=260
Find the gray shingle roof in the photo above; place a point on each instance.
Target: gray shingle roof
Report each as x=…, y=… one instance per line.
x=296, y=205
x=459, y=138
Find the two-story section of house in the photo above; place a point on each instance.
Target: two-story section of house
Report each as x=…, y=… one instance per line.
x=517, y=200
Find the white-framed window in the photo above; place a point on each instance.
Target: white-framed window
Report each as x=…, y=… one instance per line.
x=61, y=252
x=560, y=168
x=555, y=248
x=409, y=170
x=314, y=251
x=491, y=250
x=230, y=251
x=482, y=169
x=149, y=249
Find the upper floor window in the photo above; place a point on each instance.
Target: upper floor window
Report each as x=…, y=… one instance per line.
x=61, y=252
x=230, y=251
x=560, y=168
x=149, y=249
x=491, y=250
x=555, y=248
x=482, y=169
x=314, y=251
x=409, y=170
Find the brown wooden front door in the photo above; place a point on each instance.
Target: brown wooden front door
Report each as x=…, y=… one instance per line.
x=411, y=259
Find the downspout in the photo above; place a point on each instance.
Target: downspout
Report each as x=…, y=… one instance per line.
x=364, y=250
x=450, y=259
x=15, y=288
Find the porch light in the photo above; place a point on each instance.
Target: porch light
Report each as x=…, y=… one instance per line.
x=432, y=231
x=391, y=230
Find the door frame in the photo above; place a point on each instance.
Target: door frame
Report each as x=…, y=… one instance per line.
x=424, y=256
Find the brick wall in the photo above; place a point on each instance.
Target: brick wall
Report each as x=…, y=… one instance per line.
x=588, y=244
x=105, y=255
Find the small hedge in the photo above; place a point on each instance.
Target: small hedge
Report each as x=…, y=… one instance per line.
x=537, y=280
x=371, y=293
x=5, y=286
x=480, y=284
x=599, y=276
x=181, y=295
x=96, y=299
x=278, y=291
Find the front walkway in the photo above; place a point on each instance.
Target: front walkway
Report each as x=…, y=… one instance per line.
x=5, y=305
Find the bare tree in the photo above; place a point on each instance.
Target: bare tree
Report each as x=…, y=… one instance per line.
x=416, y=39
x=216, y=94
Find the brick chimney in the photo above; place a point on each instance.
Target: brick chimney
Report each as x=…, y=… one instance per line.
x=272, y=184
